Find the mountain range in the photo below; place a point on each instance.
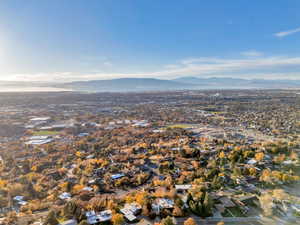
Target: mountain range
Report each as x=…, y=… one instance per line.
x=182, y=83
x=153, y=84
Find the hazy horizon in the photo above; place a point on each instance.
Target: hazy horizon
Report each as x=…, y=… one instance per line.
x=75, y=41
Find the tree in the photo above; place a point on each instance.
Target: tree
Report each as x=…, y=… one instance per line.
x=177, y=212
x=167, y=221
x=69, y=209
x=259, y=156
x=202, y=205
x=252, y=171
x=11, y=218
x=207, y=205
x=111, y=204
x=216, y=182
x=141, y=198
x=83, y=222
x=237, y=171
x=51, y=219
x=190, y=221
x=77, y=188
x=117, y=219
x=222, y=155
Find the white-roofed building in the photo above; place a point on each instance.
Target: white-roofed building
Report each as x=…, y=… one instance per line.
x=18, y=198
x=65, y=196
x=40, y=119
x=131, y=210
x=87, y=189
x=183, y=187
x=94, y=218
x=117, y=176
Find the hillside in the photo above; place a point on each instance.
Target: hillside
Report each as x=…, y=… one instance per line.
x=128, y=84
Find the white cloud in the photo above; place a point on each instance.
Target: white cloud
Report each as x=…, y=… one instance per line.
x=252, y=53
x=287, y=32
x=212, y=66
x=277, y=67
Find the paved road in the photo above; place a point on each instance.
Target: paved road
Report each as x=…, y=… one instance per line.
x=226, y=220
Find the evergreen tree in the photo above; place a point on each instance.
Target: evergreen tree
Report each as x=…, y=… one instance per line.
x=51, y=219
x=208, y=204
x=83, y=222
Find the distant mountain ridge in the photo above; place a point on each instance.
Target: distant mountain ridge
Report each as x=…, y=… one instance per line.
x=129, y=84
x=237, y=81
x=153, y=84
x=182, y=83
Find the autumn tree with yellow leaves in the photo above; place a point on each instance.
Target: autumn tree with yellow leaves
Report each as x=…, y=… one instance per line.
x=117, y=219
x=190, y=221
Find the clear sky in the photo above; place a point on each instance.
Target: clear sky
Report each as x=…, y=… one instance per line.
x=63, y=40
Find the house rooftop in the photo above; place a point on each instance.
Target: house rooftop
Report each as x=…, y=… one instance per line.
x=40, y=119
x=144, y=222
x=183, y=186
x=117, y=176
x=94, y=218
x=65, y=195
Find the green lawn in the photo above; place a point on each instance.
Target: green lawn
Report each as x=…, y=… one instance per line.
x=180, y=125
x=45, y=133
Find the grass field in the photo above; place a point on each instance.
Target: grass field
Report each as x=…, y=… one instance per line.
x=180, y=125
x=45, y=133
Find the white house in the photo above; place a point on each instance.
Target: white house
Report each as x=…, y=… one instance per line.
x=131, y=210
x=65, y=196
x=94, y=218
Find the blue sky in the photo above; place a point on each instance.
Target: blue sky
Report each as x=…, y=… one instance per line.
x=63, y=40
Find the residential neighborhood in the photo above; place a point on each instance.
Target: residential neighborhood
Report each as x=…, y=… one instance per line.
x=184, y=157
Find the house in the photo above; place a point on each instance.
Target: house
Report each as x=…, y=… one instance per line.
x=87, y=189
x=65, y=196
x=83, y=134
x=35, y=223
x=287, y=162
x=158, y=131
x=93, y=181
x=183, y=187
x=94, y=218
x=131, y=210
x=91, y=217
x=129, y=216
x=22, y=203
x=133, y=207
x=252, y=162
x=20, y=200
x=90, y=156
x=144, y=222
x=296, y=208
x=40, y=119
x=39, y=140
x=142, y=123
x=117, y=176
x=162, y=203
